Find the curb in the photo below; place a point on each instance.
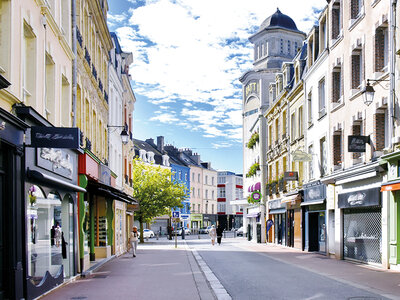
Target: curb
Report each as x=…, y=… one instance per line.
x=88, y=272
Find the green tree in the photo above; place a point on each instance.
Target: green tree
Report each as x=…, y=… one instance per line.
x=155, y=191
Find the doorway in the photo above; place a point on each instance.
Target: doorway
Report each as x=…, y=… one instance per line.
x=316, y=231
x=290, y=228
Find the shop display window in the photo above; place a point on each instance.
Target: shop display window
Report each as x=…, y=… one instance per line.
x=44, y=234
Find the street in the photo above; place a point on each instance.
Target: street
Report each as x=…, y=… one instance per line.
x=235, y=270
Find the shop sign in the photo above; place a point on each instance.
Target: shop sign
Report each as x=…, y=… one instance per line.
x=105, y=174
x=58, y=161
x=274, y=204
x=196, y=217
x=314, y=191
x=363, y=198
x=356, y=143
x=55, y=137
x=291, y=176
x=256, y=196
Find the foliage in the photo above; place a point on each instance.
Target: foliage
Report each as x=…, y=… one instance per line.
x=253, y=140
x=155, y=191
x=253, y=170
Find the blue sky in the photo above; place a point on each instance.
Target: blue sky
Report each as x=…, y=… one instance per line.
x=188, y=56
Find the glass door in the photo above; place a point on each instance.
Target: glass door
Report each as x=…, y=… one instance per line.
x=322, y=232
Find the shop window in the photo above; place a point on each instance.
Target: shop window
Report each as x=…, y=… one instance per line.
x=44, y=234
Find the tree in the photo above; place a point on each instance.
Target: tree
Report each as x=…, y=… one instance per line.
x=155, y=191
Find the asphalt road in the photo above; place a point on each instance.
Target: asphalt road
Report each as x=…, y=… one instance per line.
x=253, y=275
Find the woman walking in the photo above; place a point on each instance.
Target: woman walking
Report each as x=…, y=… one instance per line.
x=133, y=239
x=212, y=234
x=220, y=230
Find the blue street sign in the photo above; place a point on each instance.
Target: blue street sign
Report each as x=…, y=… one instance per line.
x=176, y=214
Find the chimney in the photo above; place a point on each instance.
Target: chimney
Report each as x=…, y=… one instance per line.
x=160, y=144
x=151, y=142
x=196, y=158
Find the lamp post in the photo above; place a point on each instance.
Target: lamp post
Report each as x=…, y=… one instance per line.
x=124, y=134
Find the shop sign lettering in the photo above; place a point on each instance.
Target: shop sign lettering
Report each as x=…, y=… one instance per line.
x=56, y=160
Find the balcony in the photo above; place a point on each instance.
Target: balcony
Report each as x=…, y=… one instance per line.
x=79, y=36
x=94, y=72
x=87, y=56
x=88, y=144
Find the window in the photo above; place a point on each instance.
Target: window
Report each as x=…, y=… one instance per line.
x=180, y=175
x=212, y=195
x=186, y=176
x=336, y=20
x=356, y=69
x=309, y=108
x=29, y=65
x=198, y=193
x=193, y=177
x=323, y=35
x=193, y=193
x=310, y=163
x=206, y=208
x=276, y=131
x=270, y=136
x=212, y=180
x=281, y=46
x=206, y=194
x=380, y=132
x=381, y=49
x=293, y=127
x=323, y=157
x=198, y=208
x=321, y=96
x=206, y=180
x=296, y=48
x=337, y=86
x=337, y=149
x=50, y=89
x=212, y=208
x=355, y=8
x=5, y=38
x=65, y=90
x=300, y=121
x=198, y=178
x=284, y=124
x=289, y=50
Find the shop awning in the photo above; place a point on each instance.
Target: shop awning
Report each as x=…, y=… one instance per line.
x=47, y=179
x=253, y=215
x=315, y=202
x=277, y=211
x=390, y=186
x=291, y=198
x=111, y=192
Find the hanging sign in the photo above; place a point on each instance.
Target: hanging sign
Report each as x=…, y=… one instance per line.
x=55, y=137
x=356, y=143
x=299, y=155
x=256, y=196
x=291, y=176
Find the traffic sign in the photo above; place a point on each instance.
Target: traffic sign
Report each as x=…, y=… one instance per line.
x=176, y=214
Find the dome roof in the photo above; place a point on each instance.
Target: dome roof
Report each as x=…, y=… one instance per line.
x=278, y=19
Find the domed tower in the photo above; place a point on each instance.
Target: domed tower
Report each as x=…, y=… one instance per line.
x=276, y=41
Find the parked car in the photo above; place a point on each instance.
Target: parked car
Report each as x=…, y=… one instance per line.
x=239, y=231
x=187, y=231
x=147, y=233
x=202, y=230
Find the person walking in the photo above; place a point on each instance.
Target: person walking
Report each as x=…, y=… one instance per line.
x=133, y=239
x=212, y=234
x=220, y=230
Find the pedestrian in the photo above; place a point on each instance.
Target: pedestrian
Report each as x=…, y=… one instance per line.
x=212, y=234
x=220, y=230
x=57, y=235
x=133, y=239
x=52, y=235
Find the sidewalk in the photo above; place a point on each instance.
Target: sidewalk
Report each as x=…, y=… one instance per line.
x=373, y=279
x=159, y=271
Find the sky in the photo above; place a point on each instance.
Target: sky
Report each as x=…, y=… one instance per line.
x=188, y=58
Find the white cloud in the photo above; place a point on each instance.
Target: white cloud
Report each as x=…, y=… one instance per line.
x=221, y=145
x=182, y=55
x=166, y=118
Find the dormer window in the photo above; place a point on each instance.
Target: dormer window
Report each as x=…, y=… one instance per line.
x=142, y=155
x=150, y=157
x=165, y=161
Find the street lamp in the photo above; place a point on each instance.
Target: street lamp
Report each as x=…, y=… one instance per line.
x=124, y=134
x=369, y=91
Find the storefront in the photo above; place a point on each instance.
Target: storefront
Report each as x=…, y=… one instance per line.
x=362, y=225
x=294, y=219
x=50, y=204
x=12, y=220
x=277, y=213
x=314, y=210
x=196, y=221
x=209, y=219
x=391, y=191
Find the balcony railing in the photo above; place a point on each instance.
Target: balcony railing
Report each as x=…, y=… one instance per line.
x=79, y=36
x=94, y=72
x=100, y=85
x=87, y=56
x=106, y=96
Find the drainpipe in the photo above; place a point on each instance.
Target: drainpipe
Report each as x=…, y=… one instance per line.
x=263, y=169
x=392, y=65
x=74, y=62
